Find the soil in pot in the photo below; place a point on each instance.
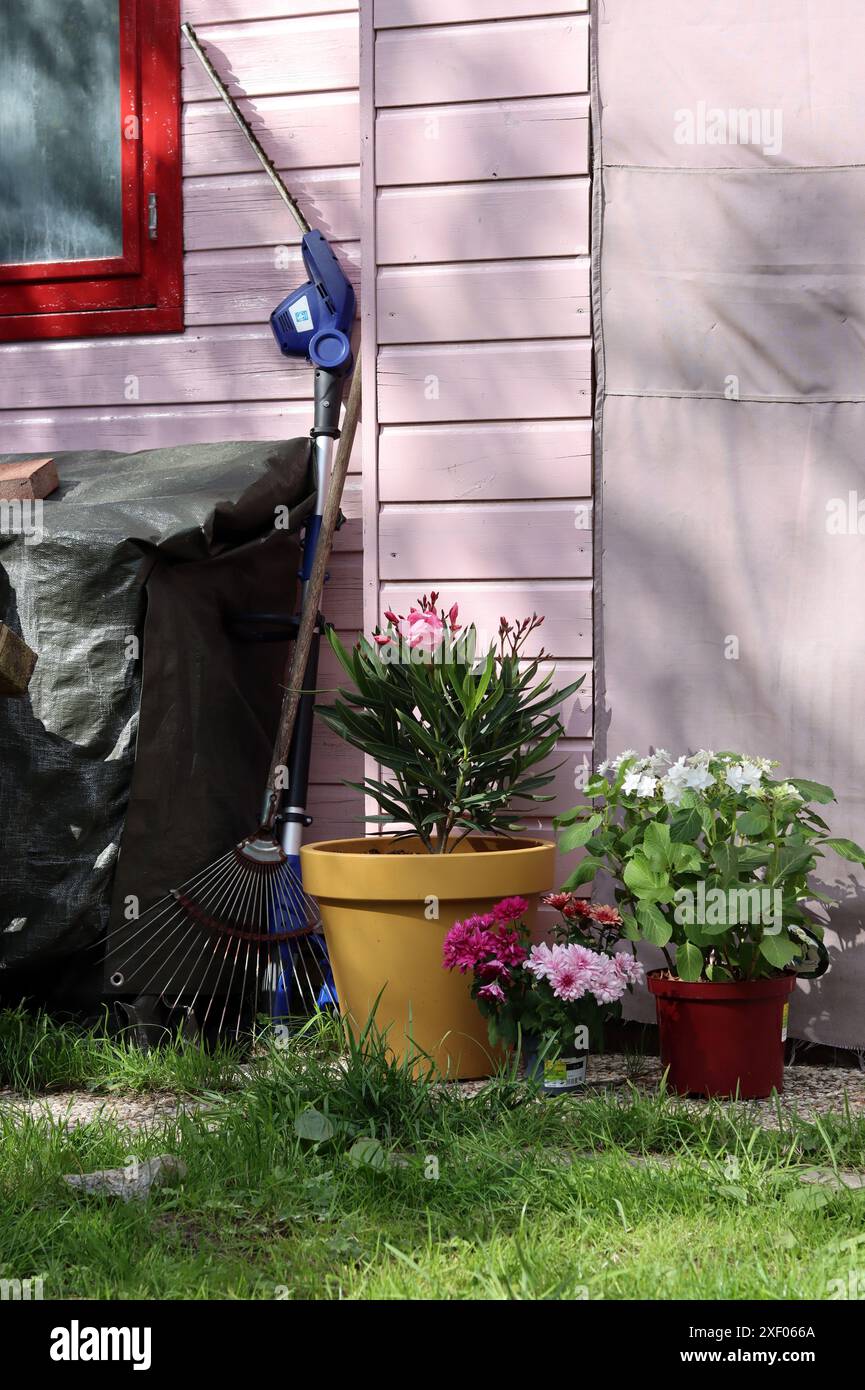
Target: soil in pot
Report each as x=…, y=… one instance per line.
x=722, y=1039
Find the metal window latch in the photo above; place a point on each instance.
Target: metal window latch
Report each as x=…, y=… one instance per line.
x=152, y=216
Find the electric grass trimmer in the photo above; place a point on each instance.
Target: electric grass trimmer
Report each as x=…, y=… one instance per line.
x=248, y=909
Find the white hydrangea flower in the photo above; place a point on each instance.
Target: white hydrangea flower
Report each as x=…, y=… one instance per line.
x=745, y=776
x=699, y=778
x=623, y=757
x=788, y=791
x=701, y=758
x=647, y=785
x=675, y=782
x=604, y=767
x=658, y=762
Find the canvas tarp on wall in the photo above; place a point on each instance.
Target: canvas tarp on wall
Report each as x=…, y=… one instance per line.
x=148, y=726
x=729, y=296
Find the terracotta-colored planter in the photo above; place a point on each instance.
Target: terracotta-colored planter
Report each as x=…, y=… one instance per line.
x=386, y=909
x=722, y=1039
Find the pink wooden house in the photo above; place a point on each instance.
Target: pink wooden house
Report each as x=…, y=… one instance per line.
x=442, y=146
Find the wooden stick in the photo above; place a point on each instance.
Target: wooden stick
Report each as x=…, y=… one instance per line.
x=17, y=663
x=312, y=600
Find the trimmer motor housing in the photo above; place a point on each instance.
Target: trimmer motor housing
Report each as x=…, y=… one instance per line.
x=316, y=320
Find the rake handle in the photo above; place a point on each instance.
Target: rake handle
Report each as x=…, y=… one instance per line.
x=312, y=599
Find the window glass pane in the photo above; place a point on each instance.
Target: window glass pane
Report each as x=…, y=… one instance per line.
x=60, y=188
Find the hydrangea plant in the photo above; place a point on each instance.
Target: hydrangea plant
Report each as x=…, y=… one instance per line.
x=710, y=855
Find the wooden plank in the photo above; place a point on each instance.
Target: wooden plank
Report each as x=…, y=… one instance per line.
x=495, y=540
x=246, y=211
x=245, y=285
x=298, y=132
x=480, y=62
x=483, y=221
x=128, y=429
x=229, y=11
x=565, y=604
x=535, y=138
x=576, y=711
x=485, y=462
x=369, y=336
x=220, y=363
x=314, y=54
x=482, y=301
x=337, y=813
x=397, y=14
x=509, y=381
x=342, y=604
x=28, y=480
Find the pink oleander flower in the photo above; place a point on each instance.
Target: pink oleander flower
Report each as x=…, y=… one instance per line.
x=420, y=629
x=492, y=991
x=510, y=909
x=629, y=968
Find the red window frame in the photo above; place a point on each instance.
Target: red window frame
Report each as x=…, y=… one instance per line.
x=140, y=291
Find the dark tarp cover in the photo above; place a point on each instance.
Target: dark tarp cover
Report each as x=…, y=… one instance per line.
x=146, y=720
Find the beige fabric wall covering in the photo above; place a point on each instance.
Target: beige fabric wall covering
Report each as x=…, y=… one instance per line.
x=729, y=296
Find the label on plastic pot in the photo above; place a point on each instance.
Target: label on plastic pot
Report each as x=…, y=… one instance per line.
x=784, y=1018
x=561, y=1073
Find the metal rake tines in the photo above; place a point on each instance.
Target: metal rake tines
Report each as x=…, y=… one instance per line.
x=242, y=931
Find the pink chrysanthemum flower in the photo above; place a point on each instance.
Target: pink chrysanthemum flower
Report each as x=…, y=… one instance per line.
x=540, y=961
x=510, y=909
x=606, y=983
x=629, y=968
x=609, y=916
x=510, y=948
x=466, y=944
x=557, y=900
x=492, y=991
x=492, y=970
x=572, y=971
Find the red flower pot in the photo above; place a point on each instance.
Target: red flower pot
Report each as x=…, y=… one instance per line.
x=722, y=1039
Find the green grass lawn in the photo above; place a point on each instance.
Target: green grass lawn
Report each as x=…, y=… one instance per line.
x=496, y=1195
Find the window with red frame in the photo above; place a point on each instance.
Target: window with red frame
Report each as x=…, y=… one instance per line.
x=91, y=238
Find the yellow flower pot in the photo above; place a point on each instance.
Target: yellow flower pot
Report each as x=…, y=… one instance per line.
x=387, y=905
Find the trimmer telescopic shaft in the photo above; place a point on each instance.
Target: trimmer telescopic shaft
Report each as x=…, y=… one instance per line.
x=249, y=135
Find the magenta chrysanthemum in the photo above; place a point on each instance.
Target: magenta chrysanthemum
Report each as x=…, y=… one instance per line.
x=492, y=991
x=510, y=909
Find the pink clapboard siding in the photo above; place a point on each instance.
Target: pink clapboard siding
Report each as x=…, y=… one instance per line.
x=475, y=214
x=293, y=64
x=535, y=138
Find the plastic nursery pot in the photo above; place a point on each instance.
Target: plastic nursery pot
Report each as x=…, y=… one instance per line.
x=722, y=1039
x=553, y=1074
x=378, y=900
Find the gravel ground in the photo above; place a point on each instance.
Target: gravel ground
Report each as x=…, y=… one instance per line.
x=808, y=1091
x=134, y=1112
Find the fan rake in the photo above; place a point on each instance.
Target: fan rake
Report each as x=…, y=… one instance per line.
x=242, y=930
